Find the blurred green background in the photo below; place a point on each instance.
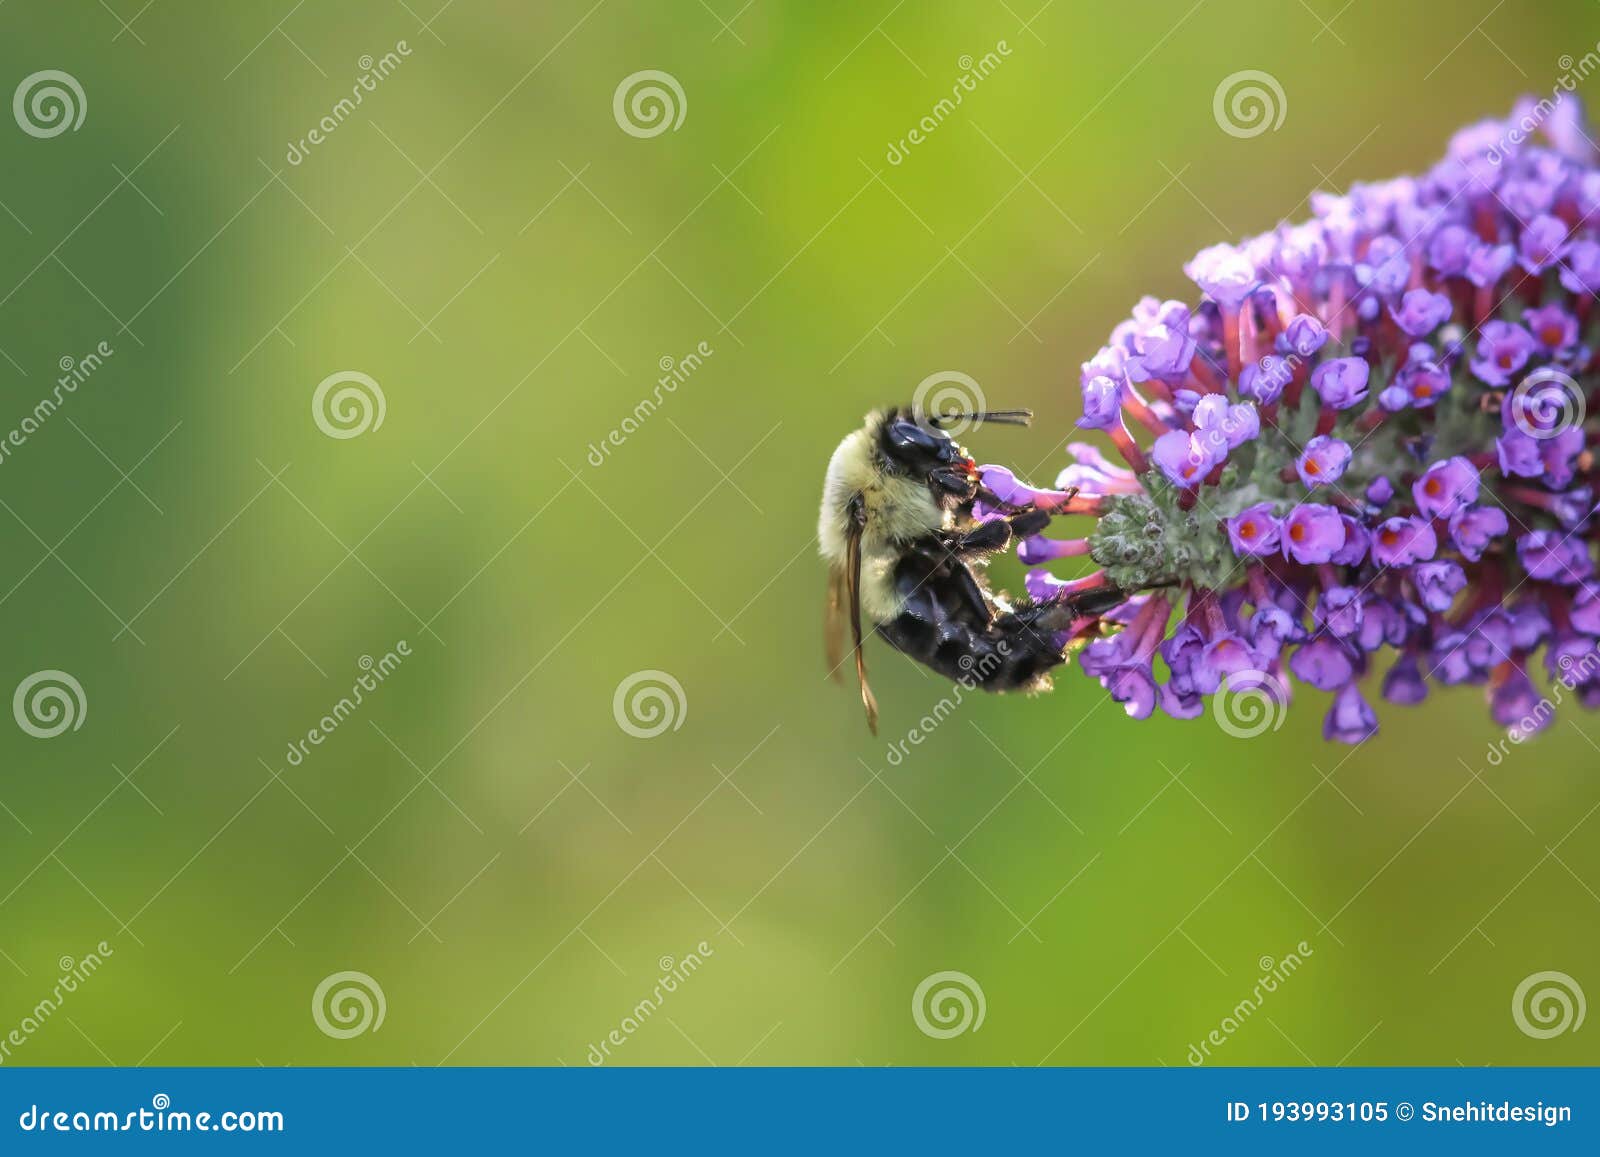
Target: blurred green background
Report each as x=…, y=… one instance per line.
x=482, y=837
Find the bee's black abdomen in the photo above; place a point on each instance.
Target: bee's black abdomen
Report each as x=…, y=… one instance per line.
x=947, y=623
x=1009, y=654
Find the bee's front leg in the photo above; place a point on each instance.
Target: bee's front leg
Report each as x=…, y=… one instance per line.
x=985, y=538
x=989, y=537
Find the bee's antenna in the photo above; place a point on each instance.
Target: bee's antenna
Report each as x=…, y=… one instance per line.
x=999, y=417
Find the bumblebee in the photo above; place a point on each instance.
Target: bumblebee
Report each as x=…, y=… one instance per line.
x=906, y=556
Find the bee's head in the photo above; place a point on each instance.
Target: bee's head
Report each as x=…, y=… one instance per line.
x=920, y=446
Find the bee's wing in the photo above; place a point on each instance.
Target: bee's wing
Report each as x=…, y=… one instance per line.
x=852, y=572
x=833, y=623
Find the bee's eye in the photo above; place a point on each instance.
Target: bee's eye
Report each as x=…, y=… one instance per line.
x=905, y=435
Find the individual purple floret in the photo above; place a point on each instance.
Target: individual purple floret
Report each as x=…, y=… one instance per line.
x=1323, y=461
x=1368, y=466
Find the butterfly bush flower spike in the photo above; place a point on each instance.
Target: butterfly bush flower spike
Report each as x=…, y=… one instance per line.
x=1361, y=462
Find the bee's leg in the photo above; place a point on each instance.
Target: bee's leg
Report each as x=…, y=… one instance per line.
x=937, y=585
x=989, y=537
x=1092, y=604
x=985, y=538
x=1029, y=522
x=1069, y=613
x=967, y=588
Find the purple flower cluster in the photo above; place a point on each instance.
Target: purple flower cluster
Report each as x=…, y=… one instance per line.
x=1364, y=450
